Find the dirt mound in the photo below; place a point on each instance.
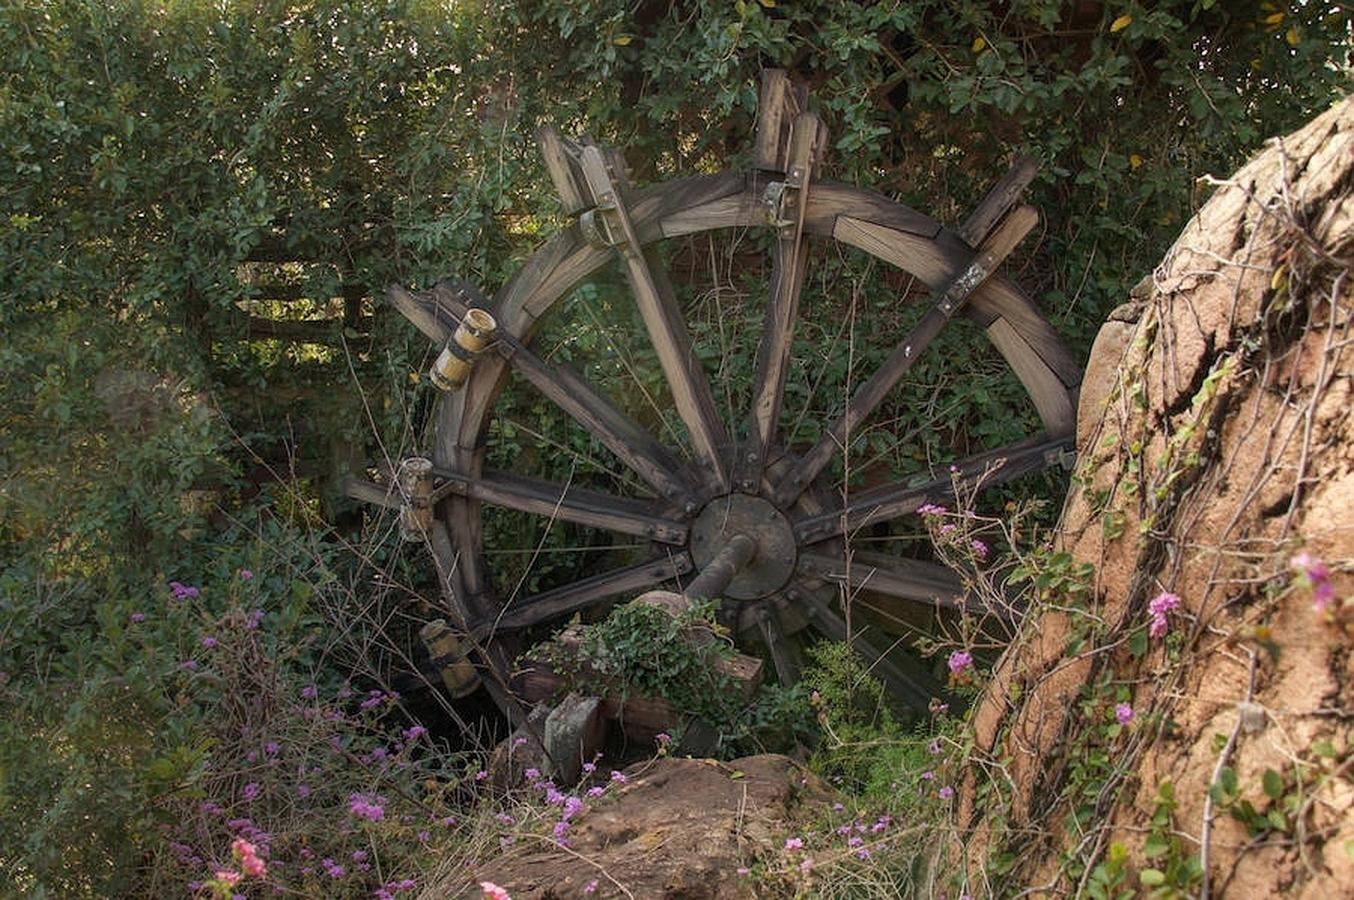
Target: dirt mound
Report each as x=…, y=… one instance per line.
x=1216, y=443
x=678, y=828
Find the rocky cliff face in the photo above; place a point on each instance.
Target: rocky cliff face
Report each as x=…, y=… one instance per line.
x=1216, y=445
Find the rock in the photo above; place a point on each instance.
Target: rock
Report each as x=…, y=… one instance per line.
x=574, y=731
x=680, y=828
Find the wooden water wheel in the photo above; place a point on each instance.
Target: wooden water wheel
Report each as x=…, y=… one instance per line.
x=717, y=475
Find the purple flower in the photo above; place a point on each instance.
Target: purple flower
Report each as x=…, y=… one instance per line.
x=253, y=620
x=589, y=768
x=945, y=793
x=571, y=807
x=561, y=829
x=366, y=806
x=934, y=747
x=959, y=661
x=931, y=509
x=662, y=737
x=863, y=853
x=504, y=819
x=794, y=843
x=209, y=808
x=333, y=869
x=596, y=791
x=1157, y=609
x=208, y=642
x=183, y=591
x=531, y=774
x=481, y=775
x=855, y=841
x=309, y=692
x=414, y=733
x=245, y=574
x=188, y=665
x=303, y=791
x=1123, y=713
x=590, y=887
x=979, y=548
x=618, y=777
x=359, y=855
x=272, y=748
x=1317, y=575
x=138, y=617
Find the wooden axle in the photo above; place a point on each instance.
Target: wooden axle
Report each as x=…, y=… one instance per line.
x=715, y=577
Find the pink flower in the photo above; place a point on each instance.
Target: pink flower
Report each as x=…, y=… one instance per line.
x=494, y=892
x=979, y=548
x=1123, y=713
x=1159, y=607
x=253, y=867
x=138, y=617
x=931, y=509
x=590, y=887
x=228, y=877
x=245, y=574
x=1317, y=575
x=365, y=806
x=794, y=843
x=806, y=866
x=959, y=661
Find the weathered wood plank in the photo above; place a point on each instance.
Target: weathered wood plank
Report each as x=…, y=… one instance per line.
x=563, y=171
x=620, y=434
x=893, y=500
x=572, y=598
x=910, y=580
x=781, y=101
x=998, y=200
x=561, y=501
x=790, y=262
x=782, y=656
x=907, y=678
x=995, y=248
x=662, y=317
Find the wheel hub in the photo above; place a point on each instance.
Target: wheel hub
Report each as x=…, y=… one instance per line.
x=774, y=561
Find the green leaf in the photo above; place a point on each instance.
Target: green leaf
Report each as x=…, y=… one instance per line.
x=1227, y=779
x=1155, y=846
x=1152, y=877
x=1273, y=784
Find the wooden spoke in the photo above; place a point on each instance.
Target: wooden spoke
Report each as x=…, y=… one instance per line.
x=912, y=580
x=436, y=315
x=567, y=600
x=663, y=320
x=787, y=282
x=870, y=394
x=782, y=652
x=631, y=443
x=893, y=500
x=558, y=501
x=906, y=677
x=998, y=201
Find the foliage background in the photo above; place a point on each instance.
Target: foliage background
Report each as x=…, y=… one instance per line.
x=189, y=189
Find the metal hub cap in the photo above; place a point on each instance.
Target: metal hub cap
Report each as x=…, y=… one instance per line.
x=732, y=514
